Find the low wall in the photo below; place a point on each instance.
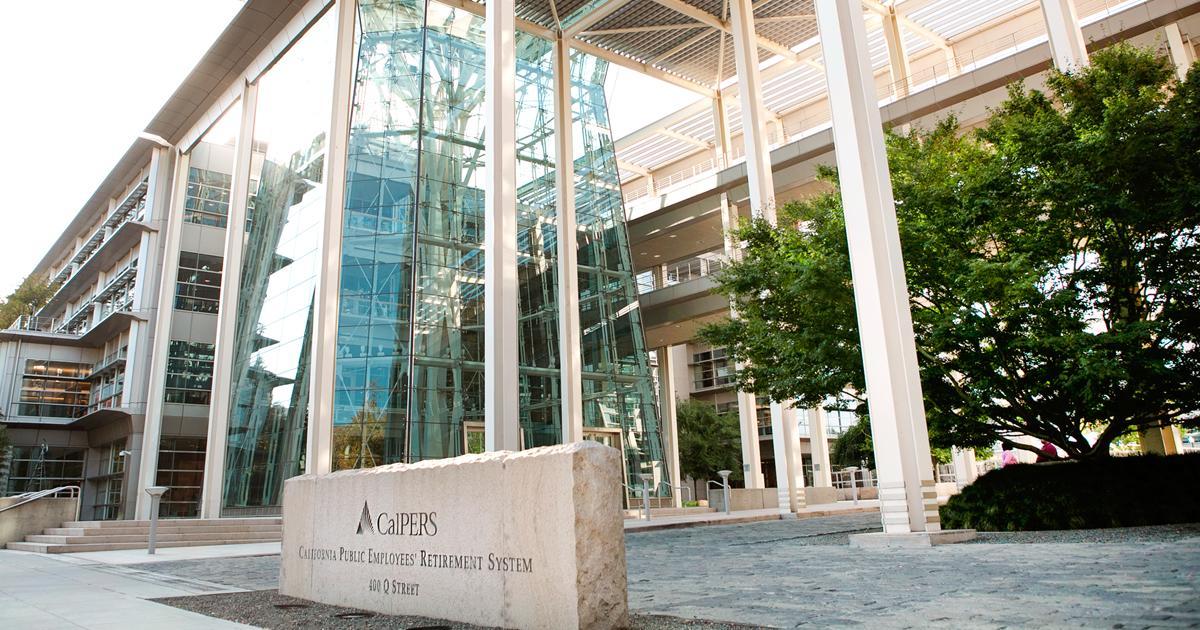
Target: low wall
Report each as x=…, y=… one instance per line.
x=847, y=494
x=820, y=496
x=741, y=499
x=34, y=517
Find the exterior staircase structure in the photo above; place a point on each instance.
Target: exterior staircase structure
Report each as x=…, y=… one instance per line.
x=77, y=536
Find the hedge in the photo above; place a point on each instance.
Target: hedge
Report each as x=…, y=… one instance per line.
x=1108, y=492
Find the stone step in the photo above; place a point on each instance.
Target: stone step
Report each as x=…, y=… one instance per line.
x=58, y=548
x=163, y=537
x=162, y=528
x=184, y=522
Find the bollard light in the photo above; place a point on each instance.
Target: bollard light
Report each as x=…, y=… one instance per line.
x=155, y=493
x=725, y=483
x=646, y=477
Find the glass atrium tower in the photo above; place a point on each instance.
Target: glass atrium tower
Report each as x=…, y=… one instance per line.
x=409, y=354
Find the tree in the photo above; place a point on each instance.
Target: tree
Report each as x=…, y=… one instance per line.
x=708, y=441
x=1052, y=259
x=31, y=295
x=853, y=447
x=4, y=443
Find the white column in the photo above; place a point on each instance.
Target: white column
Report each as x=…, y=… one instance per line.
x=818, y=442
x=667, y=367
x=231, y=279
x=964, y=465
x=319, y=444
x=722, y=143
x=1067, y=46
x=789, y=474
x=762, y=204
x=501, y=386
x=569, y=351
x=758, y=158
x=901, y=439
x=1182, y=55
x=897, y=55
x=748, y=425
x=163, y=205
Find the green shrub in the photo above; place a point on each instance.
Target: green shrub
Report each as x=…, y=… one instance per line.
x=1106, y=492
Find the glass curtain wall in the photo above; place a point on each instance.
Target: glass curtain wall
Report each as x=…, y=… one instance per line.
x=409, y=375
x=280, y=262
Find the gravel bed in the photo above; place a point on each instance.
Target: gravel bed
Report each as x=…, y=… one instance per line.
x=269, y=609
x=1115, y=535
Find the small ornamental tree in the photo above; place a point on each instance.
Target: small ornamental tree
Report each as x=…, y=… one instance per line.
x=708, y=441
x=1052, y=259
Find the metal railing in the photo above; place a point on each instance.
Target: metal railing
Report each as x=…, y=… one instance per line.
x=72, y=492
x=670, y=487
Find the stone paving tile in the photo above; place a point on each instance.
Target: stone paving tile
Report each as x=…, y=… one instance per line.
x=802, y=574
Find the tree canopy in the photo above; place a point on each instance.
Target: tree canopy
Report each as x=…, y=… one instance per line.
x=31, y=295
x=1052, y=259
x=708, y=441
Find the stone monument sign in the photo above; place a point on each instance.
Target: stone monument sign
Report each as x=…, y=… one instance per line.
x=529, y=539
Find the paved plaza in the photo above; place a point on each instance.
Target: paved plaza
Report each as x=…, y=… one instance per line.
x=770, y=573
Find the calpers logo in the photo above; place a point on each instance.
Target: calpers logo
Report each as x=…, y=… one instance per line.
x=397, y=523
x=364, y=521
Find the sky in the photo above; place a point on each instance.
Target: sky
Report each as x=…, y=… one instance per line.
x=80, y=85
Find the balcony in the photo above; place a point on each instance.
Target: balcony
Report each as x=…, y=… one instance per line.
x=97, y=253
x=133, y=207
x=110, y=362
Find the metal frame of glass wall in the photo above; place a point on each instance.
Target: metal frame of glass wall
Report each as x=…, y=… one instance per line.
x=408, y=361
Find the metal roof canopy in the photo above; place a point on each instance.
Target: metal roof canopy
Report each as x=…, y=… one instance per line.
x=688, y=43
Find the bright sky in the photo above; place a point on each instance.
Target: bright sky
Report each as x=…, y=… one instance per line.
x=81, y=83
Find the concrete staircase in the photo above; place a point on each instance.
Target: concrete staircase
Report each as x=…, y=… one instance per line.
x=78, y=536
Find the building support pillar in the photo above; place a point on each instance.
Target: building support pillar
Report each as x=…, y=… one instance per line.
x=754, y=118
x=963, y=460
x=319, y=445
x=905, y=466
x=1161, y=440
x=818, y=443
x=1182, y=54
x=568, y=249
x=897, y=56
x=163, y=195
x=746, y=405
x=762, y=202
x=1067, y=46
x=789, y=473
x=501, y=383
x=221, y=405
x=667, y=366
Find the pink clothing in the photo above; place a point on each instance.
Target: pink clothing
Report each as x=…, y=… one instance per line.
x=1008, y=458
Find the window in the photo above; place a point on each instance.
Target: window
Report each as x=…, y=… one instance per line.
x=108, y=389
x=54, y=389
x=762, y=411
x=34, y=468
x=189, y=372
x=207, y=201
x=198, y=283
x=712, y=368
x=110, y=482
x=181, y=470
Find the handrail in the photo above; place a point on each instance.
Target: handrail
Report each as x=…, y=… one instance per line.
x=681, y=487
x=30, y=497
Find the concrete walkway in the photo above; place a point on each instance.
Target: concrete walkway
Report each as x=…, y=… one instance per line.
x=746, y=516
x=40, y=591
x=171, y=554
